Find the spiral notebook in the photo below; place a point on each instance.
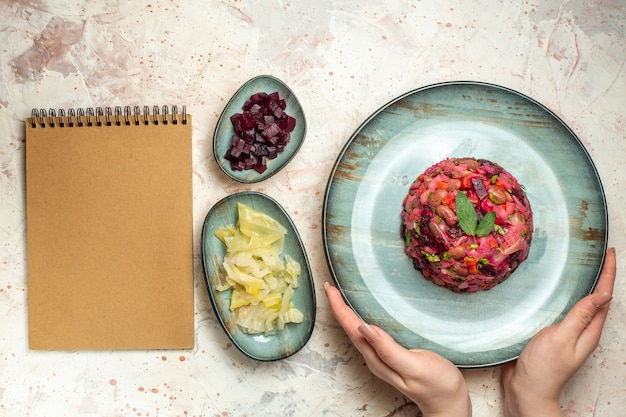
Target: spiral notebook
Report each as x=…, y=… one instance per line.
x=109, y=229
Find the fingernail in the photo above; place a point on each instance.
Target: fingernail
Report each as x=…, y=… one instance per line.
x=601, y=299
x=326, y=285
x=367, y=332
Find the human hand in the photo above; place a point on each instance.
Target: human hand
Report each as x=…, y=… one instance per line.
x=532, y=385
x=431, y=381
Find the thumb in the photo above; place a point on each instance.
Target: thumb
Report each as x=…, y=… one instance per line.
x=583, y=312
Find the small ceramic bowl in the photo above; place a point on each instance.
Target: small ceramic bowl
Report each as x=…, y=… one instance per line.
x=294, y=336
x=224, y=131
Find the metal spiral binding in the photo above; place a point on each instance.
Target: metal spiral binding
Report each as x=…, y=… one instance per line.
x=116, y=116
x=80, y=115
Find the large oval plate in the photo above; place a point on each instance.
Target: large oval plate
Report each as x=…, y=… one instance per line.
x=294, y=336
x=222, y=137
x=363, y=200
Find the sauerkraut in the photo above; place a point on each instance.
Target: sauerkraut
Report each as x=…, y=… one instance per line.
x=261, y=279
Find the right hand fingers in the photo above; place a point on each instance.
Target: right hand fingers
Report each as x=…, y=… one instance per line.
x=583, y=323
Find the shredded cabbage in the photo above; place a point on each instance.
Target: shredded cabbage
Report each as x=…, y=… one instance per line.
x=261, y=280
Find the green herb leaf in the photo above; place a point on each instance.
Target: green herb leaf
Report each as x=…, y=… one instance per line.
x=486, y=224
x=466, y=214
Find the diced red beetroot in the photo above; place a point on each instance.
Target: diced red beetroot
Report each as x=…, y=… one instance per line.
x=248, y=135
x=261, y=132
x=271, y=130
x=248, y=147
x=261, y=165
x=235, y=119
x=481, y=192
x=247, y=121
x=234, y=153
x=288, y=123
x=283, y=137
x=237, y=165
x=249, y=162
x=258, y=98
x=272, y=106
x=239, y=143
x=258, y=117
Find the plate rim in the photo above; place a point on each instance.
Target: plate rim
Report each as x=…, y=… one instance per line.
x=359, y=129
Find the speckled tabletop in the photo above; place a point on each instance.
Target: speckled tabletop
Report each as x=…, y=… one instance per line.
x=343, y=60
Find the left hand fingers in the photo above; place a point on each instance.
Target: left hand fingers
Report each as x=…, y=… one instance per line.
x=347, y=318
x=351, y=323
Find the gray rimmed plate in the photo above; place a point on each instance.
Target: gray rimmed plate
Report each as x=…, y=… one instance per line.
x=363, y=200
x=222, y=137
x=294, y=336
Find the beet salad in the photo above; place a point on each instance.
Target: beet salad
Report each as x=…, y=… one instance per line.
x=467, y=224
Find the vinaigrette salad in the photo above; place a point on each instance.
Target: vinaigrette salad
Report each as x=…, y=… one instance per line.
x=467, y=224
